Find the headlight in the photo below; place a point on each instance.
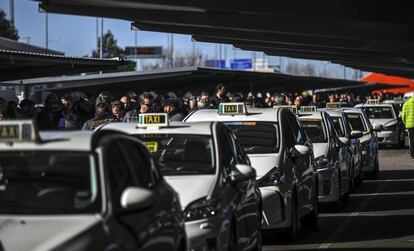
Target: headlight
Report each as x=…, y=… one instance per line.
x=200, y=209
x=272, y=178
x=322, y=162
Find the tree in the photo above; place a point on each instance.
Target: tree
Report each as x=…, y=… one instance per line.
x=181, y=59
x=7, y=29
x=110, y=47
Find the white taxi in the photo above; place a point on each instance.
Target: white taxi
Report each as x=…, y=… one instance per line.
x=282, y=156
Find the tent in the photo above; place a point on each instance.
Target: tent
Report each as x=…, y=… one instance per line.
x=392, y=80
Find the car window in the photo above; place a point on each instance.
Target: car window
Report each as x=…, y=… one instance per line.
x=139, y=163
x=49, y=182
x=298, y=133
x=356, y=122
x=339, y=126
x=181, y=154
x=227, y=158
x=288, y=134
x=256, y=137
x=331, y=127
x=315, y=130
x=379, y=112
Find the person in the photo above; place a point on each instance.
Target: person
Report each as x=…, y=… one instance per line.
x=408, y=120
x=171, y=106
x=100, y=115
x=218, y=95
x=27, y=110
x=117, y=111
x=49, y=117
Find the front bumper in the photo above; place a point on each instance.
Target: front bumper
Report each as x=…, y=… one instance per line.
x=208, y=234
x=388, y=137
x=328, y=185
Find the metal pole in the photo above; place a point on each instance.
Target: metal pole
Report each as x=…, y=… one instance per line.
x=194, y=56
x=102, y=37
x=12, y=12
x=46, y=30
x=97, y=36
x=172, y=50
x=225, y=55
x=344, y=72
x=254, y=61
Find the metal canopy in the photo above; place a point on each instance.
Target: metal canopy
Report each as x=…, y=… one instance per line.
x=17, y=65
x=186, y=79
x=369, y=35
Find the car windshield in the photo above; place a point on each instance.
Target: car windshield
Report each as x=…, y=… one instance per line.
x=315, y=130
x=181, y=154
x=256, y=137
x=379, y=112
x=48, y=182
x=339, y=126
x=356, y=122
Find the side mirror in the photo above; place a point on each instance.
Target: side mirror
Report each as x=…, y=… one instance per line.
x=377, y=127
x=242, y=172
x=344, y=140
x=300, y=150
x=356, y=134
x=136, y=198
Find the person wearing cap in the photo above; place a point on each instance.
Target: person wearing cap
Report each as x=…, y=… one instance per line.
x=171, y=107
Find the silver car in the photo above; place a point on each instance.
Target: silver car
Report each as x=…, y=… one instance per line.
x=332, y=157
x=359, y=121
x=210, y=171
x=282, y=156
x=83, y=191
x=386, y=115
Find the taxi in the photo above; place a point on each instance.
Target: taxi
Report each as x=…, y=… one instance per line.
x=386, y=115
x=83, y=191
x=359, y=121
x=344, y=129
x=282, y=156
x=205, y=164
x=331, y=154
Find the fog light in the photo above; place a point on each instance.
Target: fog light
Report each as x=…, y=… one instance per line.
x=326, y=187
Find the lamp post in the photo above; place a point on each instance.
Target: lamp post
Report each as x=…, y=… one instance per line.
x=46, y=30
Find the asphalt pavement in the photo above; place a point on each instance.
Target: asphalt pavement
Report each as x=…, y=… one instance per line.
x=378, y=216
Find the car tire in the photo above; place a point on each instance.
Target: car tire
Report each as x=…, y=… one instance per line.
x=311, y=219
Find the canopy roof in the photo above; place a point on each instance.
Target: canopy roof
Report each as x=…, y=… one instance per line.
x=368, y=35
x=408, y=84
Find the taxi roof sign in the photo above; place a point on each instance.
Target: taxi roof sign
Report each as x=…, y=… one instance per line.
x=232, y=109
x=333, y=105
x=373, y=101
x=18, y=131
x=291, y=108
x=308, y=109
x=153, y=120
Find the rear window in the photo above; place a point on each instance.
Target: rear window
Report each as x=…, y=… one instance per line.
x=181, y=154
x=356, y=122
x=379, y=112
x=256, y=137
x=315, y=130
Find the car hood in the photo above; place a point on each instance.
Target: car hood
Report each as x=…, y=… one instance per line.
x=38, y=233
x=191, y=187
x=320, y=149
x=263, y=163
x=382, y=121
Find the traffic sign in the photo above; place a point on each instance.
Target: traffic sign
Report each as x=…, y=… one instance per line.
x=215, y=63
x=144, y=51
x=241, y=64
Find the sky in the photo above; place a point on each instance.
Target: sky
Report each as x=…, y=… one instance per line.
x=76, y=36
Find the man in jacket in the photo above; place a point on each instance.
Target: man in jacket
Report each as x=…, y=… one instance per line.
x=408, y=120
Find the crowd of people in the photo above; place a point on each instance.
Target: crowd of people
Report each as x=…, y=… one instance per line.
x=88, y=111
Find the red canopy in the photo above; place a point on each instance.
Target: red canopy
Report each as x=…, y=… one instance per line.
x=384, y=79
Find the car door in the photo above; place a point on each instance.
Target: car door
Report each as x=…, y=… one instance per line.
x=252, y=203
x=305, y=172
x=128, y=167
x=234, y=194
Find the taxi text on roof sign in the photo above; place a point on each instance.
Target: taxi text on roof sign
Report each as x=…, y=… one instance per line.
x=333, y=105
x=152, y=120
x=308, y=108
x=17, y=131
x=292, y=108
x=152, y=146
x=232, y=108
x=373, y=101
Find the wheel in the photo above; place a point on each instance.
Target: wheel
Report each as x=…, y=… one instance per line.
x=292, y=231
x=311, y=219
